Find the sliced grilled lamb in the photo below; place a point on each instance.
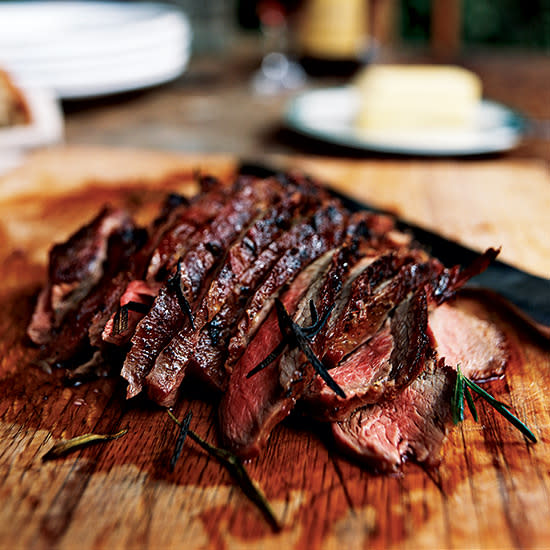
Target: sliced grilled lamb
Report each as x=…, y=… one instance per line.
x=325, y=231
x=251, y=407
x=270, y=394
x=365, y=374
x=70, y=340
x=375, y=294
x=411, y=426
x=172, y=307
x=211, y=349
x=75, y=267
x=178, y=219
x=245, y=266
x=462, y=339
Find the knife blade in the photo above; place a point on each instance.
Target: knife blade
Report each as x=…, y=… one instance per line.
x=529, y=293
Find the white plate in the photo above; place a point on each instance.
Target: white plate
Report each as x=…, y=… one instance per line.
x=87, y=49
x=329, y=114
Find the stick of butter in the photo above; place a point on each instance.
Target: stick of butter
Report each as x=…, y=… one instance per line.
x=416, y=97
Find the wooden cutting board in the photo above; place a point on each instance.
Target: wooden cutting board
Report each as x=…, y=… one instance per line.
x=492, y=489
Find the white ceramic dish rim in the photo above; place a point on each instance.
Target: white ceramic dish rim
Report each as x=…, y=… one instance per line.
x=327, y=114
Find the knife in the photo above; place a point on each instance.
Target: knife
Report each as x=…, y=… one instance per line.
x=528, y=293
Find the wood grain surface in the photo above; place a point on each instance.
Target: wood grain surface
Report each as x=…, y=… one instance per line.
x=492, y=489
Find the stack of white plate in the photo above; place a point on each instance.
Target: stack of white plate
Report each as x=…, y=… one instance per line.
x=87, y=49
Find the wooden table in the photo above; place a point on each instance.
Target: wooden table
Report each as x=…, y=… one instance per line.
x=492, y=489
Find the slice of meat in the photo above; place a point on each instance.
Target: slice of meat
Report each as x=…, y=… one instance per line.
x=451, y=280
x=179, y=219
x=361, y=376
x=172, y=242
x=243, y=269
x=379, y=289
x=325, y=231
x=295, y=373
x=209, y=246
x=251, y=407
x=380, y=368
x=462, y=339
x=75, y=267
x=70, y=341
x=411, y=426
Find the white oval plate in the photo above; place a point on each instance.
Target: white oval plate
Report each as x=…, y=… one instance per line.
x=328, y=115
x=93, y=48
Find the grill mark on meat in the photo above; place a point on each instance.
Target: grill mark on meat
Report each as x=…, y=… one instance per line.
x=462, y=339
x=411, y=426
x=75, y=267
x=165, y=318
x=243, y=269
x=251, y=407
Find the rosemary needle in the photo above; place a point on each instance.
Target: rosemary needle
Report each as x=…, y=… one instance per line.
x=463, y=387
x=237, y=470
x=67, y=446
x=295, y=335
x=184, y=431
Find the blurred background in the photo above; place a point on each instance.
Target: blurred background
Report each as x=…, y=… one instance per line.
x=214, y=75
x=494, y=23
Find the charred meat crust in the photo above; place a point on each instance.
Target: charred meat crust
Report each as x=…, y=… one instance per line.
x=246, y=264
x=191, y=274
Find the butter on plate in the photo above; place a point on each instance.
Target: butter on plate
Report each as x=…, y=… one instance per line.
x=407, y=98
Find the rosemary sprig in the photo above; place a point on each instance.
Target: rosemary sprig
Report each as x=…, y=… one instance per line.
x=61, y=448
x=237, y=470
x=184, y=430
x=463, y=387
x=301, y=337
